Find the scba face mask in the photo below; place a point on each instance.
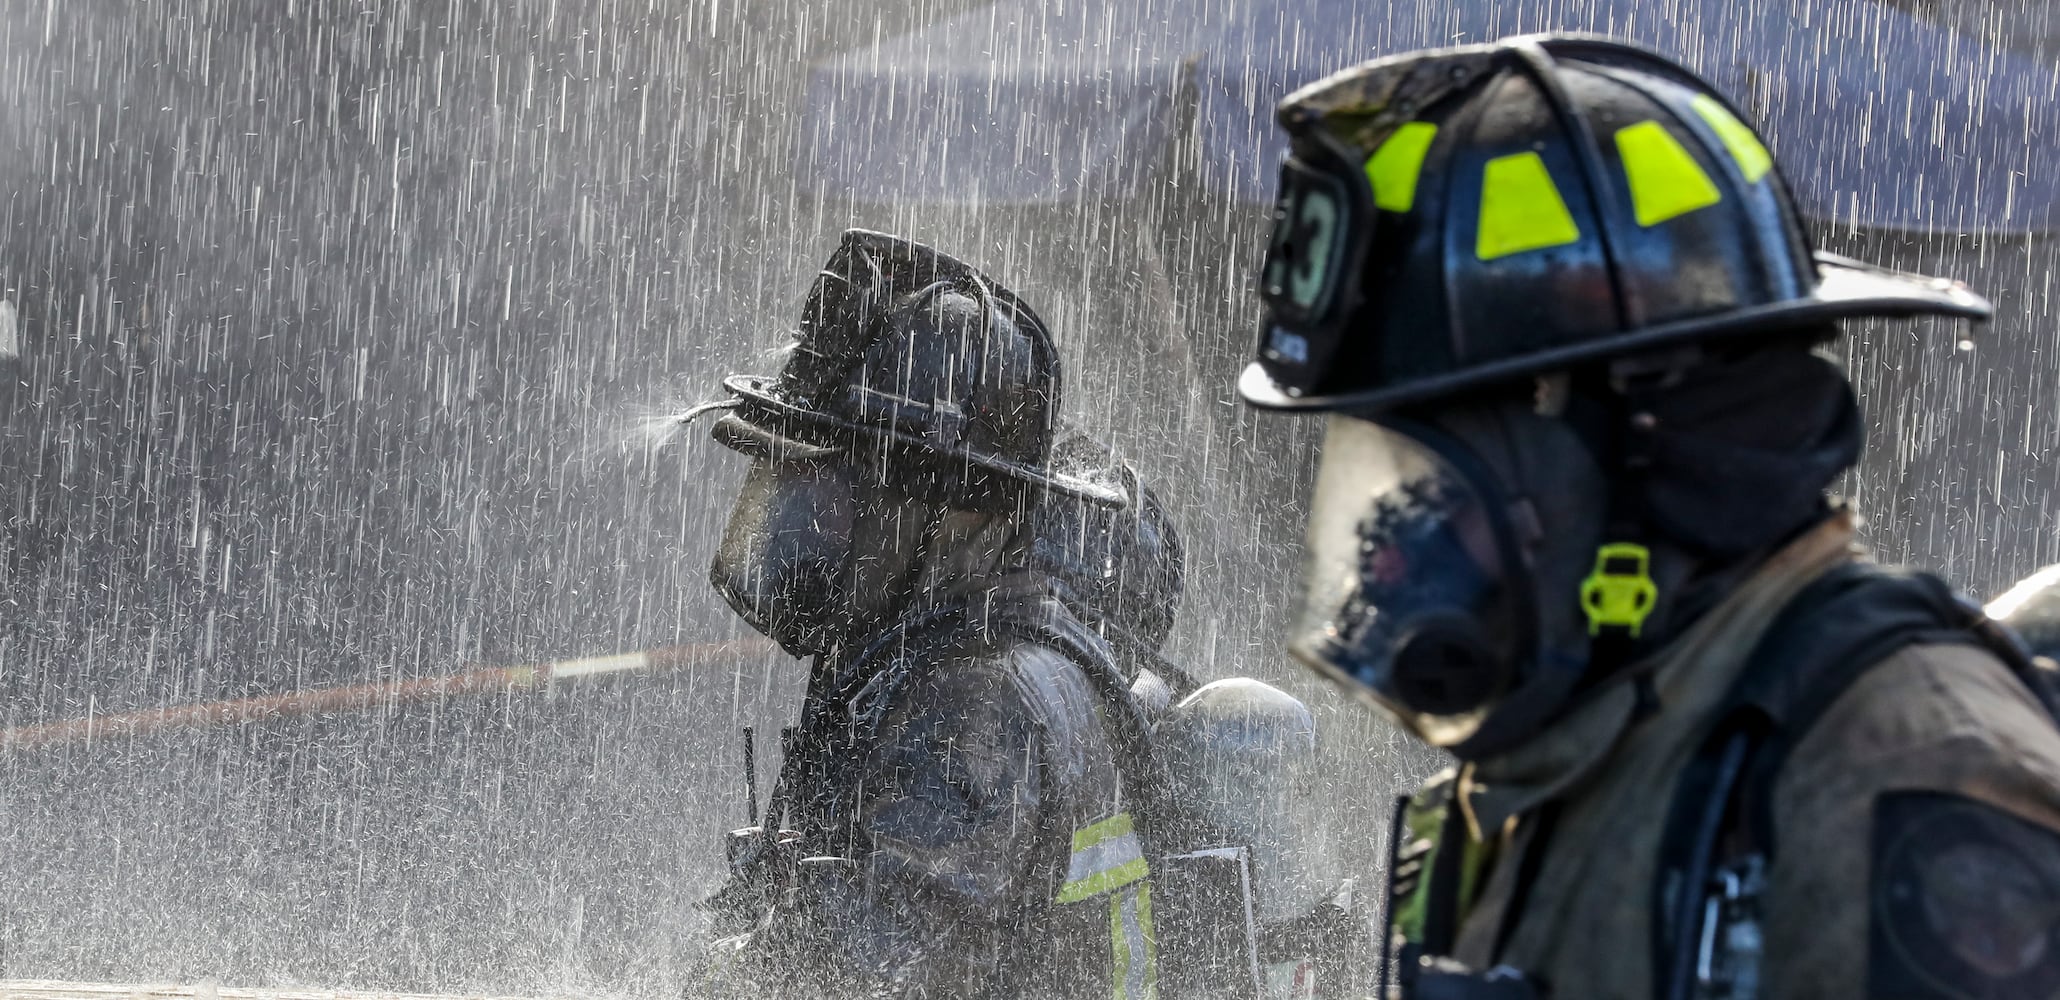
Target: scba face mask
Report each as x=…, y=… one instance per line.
x=784, y=563
x=1418, y=598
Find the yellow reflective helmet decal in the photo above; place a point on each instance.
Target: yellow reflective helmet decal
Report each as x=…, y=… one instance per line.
x=1395, y=166
x=1665, y=180
x=1521, y=208
x=1753, y=159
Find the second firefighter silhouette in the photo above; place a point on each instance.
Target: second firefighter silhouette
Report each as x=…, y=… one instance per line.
x=951, y=817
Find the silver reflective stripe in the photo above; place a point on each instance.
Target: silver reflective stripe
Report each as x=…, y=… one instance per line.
x=1106, y=857
x=1108, y=860
x=1136, y=954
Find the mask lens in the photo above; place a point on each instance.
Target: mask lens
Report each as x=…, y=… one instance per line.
x=783, y=557
x=1408, y=600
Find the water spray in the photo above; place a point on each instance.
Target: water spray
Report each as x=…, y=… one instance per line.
x=380, y=696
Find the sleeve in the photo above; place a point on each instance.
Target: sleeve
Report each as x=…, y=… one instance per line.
x=1918, y=834
x=959, y=838
x=1963, y=901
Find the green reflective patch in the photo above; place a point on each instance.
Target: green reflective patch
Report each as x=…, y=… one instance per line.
x=1424, y=819
x=1521, y=208
x=1753, y=159
x=1665, y=180
x=1421, y=819
x=1395, y=166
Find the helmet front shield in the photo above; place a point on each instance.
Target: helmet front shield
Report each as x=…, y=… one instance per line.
x=1527, y=207
x=1312, y=263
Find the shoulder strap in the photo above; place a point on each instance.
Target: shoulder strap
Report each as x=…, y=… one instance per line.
x=1840, y=626
x=1837, y=628
x=1845, y=624
x=842, y=710
x=1139, y=770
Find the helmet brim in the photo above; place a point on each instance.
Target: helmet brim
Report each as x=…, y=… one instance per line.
x=742, y=436
x=1846, y=288
x=765, y=424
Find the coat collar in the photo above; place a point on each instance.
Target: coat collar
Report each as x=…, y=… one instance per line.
x=1690, y=677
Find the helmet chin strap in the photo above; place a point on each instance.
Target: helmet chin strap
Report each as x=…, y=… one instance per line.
x=1620, y=596
x=1586, y=635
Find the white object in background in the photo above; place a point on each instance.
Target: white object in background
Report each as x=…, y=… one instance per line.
x=2026, y=589
x=1241, y=755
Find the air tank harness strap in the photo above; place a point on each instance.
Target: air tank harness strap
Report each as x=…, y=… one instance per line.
x=1141, y=773
x=1111, y=858
x=845, y=701
x=1435, y=880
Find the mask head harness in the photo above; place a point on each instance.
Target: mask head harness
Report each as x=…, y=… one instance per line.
x=1127, y=566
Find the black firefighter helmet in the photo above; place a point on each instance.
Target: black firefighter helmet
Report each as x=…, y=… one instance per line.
x=1455, y=223
x=1465, y=217
x=914, y=368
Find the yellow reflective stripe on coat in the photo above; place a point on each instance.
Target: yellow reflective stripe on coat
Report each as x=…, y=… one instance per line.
x=1135, y=945
x=1521, y=208
x=1666, y=182
x=1106, y=857
x=1108, y=860
x=1753, y=159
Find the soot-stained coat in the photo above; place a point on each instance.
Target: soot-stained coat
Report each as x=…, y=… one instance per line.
x=950, y=816
x=1932, y=782
x=959, y=772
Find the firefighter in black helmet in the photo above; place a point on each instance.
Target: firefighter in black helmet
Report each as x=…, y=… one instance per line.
x=951, y=816
x=1570, y=525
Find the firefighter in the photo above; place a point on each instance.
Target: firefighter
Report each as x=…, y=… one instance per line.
x=1570, y=525
x=951, y=818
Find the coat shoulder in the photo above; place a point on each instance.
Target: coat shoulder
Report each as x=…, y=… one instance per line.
x=1929, y=725
x=1937, y=718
